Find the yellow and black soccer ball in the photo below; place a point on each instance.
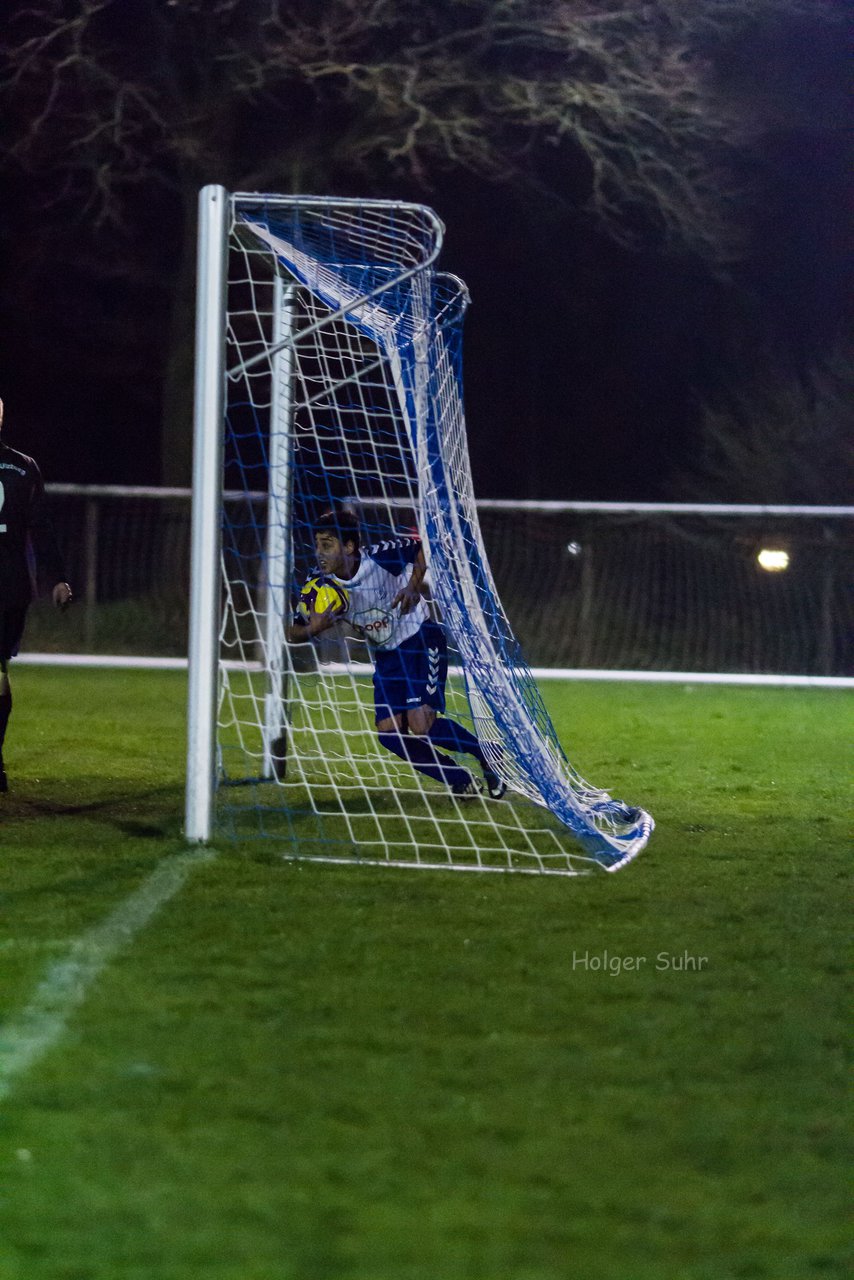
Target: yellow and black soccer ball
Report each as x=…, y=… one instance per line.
x=320, y=594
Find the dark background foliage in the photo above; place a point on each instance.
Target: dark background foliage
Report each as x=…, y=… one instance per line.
x=618, y=346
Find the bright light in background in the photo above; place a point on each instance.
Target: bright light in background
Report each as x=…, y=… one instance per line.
x=773, y=559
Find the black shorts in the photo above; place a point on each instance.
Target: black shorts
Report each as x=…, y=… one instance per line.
x=12, y=622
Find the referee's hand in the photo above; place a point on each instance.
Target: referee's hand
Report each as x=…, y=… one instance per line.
x=62, y=595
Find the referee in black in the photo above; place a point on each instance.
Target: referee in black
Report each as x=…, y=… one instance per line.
x=28, y=554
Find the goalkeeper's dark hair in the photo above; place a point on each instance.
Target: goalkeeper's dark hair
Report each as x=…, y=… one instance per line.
x=344, y=524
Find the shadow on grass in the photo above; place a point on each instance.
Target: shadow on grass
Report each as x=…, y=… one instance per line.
x=150, y=813
x=104, y=877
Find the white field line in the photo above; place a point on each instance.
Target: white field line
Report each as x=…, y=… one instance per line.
x=539, y=673
x=66, y=982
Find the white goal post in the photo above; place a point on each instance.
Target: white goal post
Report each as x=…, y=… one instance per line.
x=329, y=377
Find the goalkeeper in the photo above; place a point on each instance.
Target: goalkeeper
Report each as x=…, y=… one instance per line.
x=386, y=607
x=27, y=544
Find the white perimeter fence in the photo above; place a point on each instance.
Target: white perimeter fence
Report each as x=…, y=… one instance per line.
x=600, y=589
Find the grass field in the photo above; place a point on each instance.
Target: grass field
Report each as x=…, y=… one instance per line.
x=222, y=1066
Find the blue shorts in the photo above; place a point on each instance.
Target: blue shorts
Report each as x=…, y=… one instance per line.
x=412, y=675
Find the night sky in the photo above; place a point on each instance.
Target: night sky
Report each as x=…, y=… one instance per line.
x=586, y=362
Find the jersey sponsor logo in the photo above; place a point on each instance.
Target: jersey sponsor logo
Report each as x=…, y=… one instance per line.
x=376, y=625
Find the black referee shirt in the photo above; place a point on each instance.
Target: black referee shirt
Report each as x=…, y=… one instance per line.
x=27, y=541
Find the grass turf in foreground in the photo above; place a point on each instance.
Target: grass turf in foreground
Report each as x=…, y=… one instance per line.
x=299, y=1072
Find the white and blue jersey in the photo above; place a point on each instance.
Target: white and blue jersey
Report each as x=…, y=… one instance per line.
x=409, y=650
x=384, y=569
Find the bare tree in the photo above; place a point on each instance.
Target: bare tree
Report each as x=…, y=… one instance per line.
x=117, y=98
x=118, y=93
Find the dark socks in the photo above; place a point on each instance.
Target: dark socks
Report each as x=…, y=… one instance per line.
x=453, y=737
x=423, y=756
x=5, y=712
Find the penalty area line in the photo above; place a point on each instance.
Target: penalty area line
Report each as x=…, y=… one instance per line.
x=65, y=984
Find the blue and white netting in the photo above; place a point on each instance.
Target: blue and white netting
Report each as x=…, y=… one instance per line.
x=371, y=267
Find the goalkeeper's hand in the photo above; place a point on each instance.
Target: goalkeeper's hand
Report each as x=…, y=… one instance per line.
x=62, y=595
x=407, y=598
x=318, y=622
x=409, y=595
x=315, y=623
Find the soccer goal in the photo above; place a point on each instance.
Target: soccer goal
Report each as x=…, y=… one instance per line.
x=329, y=374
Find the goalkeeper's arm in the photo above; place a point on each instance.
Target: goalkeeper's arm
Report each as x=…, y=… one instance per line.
x=302, y=632
x=409, y=595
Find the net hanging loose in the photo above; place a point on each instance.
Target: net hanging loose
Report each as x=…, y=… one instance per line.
x=344, y=391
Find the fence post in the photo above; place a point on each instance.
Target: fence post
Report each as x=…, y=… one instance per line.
x=826, y=638
x=91, y=563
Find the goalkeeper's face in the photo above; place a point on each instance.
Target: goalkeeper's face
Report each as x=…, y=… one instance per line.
x=331, y=554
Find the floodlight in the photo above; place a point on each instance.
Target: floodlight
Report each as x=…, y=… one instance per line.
x=773, y=559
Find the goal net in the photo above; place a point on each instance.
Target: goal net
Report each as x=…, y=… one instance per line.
x=341, y=346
